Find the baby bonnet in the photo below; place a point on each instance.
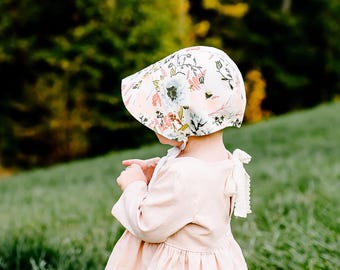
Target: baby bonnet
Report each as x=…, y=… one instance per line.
x=195, y=91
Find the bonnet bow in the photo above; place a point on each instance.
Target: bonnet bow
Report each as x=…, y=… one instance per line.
x=238, y=183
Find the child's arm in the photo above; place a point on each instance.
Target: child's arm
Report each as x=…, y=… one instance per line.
x=131, y=174
x=136, y=170
x=148, y=166
x=153, y=215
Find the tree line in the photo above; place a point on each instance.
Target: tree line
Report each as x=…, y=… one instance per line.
x=61, y=64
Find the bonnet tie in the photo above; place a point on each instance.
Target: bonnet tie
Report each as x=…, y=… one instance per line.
x=238, y=184
x=171, y=154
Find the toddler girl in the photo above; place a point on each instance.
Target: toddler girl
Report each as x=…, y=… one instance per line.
x=177, y=209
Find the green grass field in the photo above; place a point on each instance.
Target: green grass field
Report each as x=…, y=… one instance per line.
x=59, y=217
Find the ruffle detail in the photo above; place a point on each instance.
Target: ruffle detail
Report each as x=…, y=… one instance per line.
x=132, y=253
x=238, y=184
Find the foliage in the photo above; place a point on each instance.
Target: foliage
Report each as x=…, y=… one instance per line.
x=293, y=44
x=295, y=56
x=237, y=10
x=256, y=93
x=62, y=63
x=223, y=22
x=59, y=218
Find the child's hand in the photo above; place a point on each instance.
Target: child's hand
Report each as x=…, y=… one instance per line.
x=148, y=166
x=131, y=174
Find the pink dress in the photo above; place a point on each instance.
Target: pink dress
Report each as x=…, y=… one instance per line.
x=182, y=219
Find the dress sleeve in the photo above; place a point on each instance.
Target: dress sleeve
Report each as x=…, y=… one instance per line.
x=154, y=214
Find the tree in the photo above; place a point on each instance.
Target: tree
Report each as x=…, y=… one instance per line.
x=294, y=45
x=61, y=64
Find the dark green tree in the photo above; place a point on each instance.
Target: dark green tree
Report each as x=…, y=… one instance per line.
x=61, y=63
x=295, y=45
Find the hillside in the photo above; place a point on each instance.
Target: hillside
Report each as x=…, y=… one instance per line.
x=59, y=217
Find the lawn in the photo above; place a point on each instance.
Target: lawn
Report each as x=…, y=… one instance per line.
x=59, y=217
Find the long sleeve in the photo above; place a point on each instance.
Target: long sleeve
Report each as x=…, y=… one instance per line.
x=154, y=214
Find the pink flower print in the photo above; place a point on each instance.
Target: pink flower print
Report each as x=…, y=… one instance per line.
x=196, y=81
x=156, y=100
x=126, y=92
x=195, y=48
x=218, y=111
x=164, y=73
x=187, y=75
x=154, y=123
x=168, y=121
x=128, y=97
x=213, y=105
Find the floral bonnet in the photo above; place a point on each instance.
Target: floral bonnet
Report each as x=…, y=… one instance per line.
x=193, y=92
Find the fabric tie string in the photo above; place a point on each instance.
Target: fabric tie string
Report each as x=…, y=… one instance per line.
x=171, y=154
x=238, y=184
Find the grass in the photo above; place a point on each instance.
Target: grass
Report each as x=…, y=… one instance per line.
x=59, y=217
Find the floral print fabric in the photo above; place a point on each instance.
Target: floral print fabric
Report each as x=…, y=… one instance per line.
x=193, y=92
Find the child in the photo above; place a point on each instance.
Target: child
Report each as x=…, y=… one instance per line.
x=177, y=210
